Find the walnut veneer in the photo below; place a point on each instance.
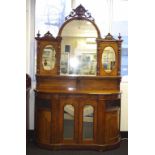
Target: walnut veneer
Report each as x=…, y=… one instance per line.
x=101, y=92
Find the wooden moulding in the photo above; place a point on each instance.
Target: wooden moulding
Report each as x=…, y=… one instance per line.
x=96, y=147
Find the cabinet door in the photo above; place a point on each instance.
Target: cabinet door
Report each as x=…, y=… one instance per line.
x=69, y=119
x=112, y=126
x=87, y=121
x=112, y=120
x=78, y=119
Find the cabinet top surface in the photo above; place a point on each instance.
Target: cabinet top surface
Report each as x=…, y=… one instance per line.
x=73, y=91
x=77, y=77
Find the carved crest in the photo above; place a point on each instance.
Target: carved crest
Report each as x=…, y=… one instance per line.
x=48, y=35
x=109, y=37
x=80, y=12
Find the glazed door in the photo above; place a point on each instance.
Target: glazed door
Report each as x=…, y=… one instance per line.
x=69, y=119
x=87, y=121
x=78, y=120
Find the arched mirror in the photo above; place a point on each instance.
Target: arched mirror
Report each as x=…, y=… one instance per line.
x=78, y=48
x=88, y=121
x=108, y=59
x=48, y=57
x=68, y=122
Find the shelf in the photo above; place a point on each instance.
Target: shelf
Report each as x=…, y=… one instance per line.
x=93, y=92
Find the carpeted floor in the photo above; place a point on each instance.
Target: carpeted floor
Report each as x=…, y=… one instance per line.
x=32, y=149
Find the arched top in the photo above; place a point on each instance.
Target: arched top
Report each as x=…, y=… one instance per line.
x=80, y=14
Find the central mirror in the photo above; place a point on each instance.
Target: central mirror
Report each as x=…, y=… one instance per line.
x=78, y=48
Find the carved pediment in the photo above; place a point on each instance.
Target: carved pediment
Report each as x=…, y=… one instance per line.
x=80, y=12
x=47, y=36
x=109, y=37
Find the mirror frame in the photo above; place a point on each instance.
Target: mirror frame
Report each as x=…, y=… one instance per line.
x=109, y=40
x=42, y=42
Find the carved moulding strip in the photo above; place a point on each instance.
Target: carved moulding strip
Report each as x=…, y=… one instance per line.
x=80, y=12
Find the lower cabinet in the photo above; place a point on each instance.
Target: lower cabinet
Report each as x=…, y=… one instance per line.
x=77, y=121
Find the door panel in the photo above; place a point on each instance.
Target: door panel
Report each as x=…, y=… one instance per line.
x=87, y=120
x=69, y=119
x=112, y=126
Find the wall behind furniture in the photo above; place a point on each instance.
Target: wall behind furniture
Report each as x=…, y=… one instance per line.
x=30, y=63
x=124, y=105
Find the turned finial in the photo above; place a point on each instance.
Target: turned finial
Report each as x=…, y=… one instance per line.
x=38, y=34
x=119, y=37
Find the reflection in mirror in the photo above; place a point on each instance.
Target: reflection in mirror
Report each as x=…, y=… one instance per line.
x=108, y=59
x=48, y=57
x=78, y=48
x=68, y=122
x=88, y=119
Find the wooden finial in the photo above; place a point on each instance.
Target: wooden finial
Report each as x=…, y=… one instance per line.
x=119, y=37
x=38, y=34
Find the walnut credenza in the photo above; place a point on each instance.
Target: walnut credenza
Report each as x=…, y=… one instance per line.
x=50, y=105
x=77, y=95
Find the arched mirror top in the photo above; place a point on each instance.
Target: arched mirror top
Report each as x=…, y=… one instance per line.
x=80, y=21
x=78, y=44
x=79, y=28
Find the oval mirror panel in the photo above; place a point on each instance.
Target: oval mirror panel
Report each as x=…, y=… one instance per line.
x=108, y=59
x=48, y=57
